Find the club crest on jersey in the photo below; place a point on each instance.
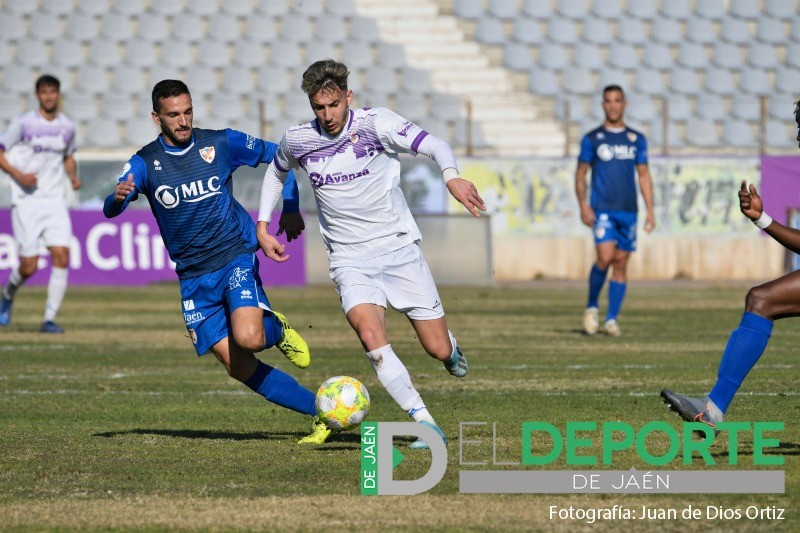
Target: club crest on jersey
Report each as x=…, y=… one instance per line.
x=207, y=154
x=631, y=137
x=354, y=138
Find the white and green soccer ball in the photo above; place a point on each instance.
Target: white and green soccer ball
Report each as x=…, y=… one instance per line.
x=342, y=402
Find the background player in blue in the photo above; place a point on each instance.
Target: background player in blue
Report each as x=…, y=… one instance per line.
x=615, y=153
x=776, y=299
x=186, y=175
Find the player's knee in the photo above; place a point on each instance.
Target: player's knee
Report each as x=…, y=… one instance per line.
x=249, y=339
x=758, y=301
x=370, y=337
x=28, y=268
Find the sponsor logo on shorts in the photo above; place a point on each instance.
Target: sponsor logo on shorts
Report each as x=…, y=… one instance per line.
x=238, y=277
x=246, y=295
x=437, y=304
x=188, y=305
x=192, y=318
x=207, y=154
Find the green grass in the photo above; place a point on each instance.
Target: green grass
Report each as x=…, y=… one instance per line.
x=118, y=425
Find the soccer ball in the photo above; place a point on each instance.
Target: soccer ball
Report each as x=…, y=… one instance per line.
x=342, y=402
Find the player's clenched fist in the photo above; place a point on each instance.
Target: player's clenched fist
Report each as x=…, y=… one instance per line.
x=123, y=189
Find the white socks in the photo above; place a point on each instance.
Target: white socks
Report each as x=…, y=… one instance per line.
x=395, y=379
x=15, y=281
x=56, y=288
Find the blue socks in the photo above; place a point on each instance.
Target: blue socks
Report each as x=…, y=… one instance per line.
x=273, y=330
x=745, y=347
x=280, y=388
x=597, y=278
x=616, y=293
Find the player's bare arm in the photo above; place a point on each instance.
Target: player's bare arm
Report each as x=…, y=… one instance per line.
x=26, y=180
x=646, y=187
x=587, y=213
x=465, y=192
x=71, y=166
x=269, y=244
x=752, y=207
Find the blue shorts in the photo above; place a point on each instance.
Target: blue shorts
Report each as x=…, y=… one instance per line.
x=616, y=226
x=210, y=299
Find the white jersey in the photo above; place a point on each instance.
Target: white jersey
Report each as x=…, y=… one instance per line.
x=36, y=145
x=356, y=181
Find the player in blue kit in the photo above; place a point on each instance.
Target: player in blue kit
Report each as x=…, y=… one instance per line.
x=776, y=299
x=615, y=153
x=186, y=175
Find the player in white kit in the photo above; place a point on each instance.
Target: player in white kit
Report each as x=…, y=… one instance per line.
x=351, y=157
x=36, y=151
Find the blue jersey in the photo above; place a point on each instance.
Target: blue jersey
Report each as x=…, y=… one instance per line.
x=613, y=156
x=190, y=193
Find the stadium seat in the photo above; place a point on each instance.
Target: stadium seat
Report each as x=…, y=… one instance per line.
x=649, y=81
x=588, y=55
x=517, y=56
x=416, y=81
x=121, y=107
x=679, y=108
x=272, y=7
x=623, y=56
x=755, y=81
x=781, y=134
x=553, y=56
x=770, y=30
x=176, y=54
x=139, y=131
x=344, y=8
x=310, y=8
x=579, y=81
x=746, y=107
x=684, y=81
x=658, y=56
x=720, y=81
x=667, y=31
x=248, y=124
x=781, y=9
x=701, y=31
x=711, y=106
x=200, y=79
x=93, y=7
x=79, y=26
x=143, y=53
x=436, y=127
x=12, y=26
x=237, y=80
x=787, y=80
x=6, y=56
x=728, y=55
x=45, y=26
x=297, y=107
x=574, y=105
x=317, y=50
x=632, y=31
x=260, y=28
x=127, y=79
x=640, y=108
x=702, y=132
x=115, y=27
x=335, y=31
x=223, y=27
x=380, y=81
x=597, y=31
x=294, y=29
x=271, y=106
x=490, y=31
x=213, y=53
x=735, y=31
x=573, y=9
x=607, y=9
x=200, y=109
x=92, y=78
x=612, y=76
x=793, y=54
x=390, y=55
x=10, y=106
x=167, y=9
x=503, y=9
x=643, y=9
x=205, y=8
x=364, y=29
x=781, y=105
x=249, y=53
x=412, y=106
x=692, y=55
x=356, y=54
x=710, y=9
x=446, y=107
x=676, y=9
x=796, y=30
x=54, y=7
x=544, y=82
x=562, y=31
x=746, y=9
x=468, y=9
x=738, y=134
x=102, y=132
x=226, y=106
x=188, y=28
x=126, y=7
x=528, y=30
x=152, y=27
x=105, y=52
x=763, y=55
x=32, y=53
x=537, y=9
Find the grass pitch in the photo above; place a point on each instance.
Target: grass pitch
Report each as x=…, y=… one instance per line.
x=118, y=425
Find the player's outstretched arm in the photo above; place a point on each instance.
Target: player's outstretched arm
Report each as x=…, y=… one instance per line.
x=752, y=207
x=269, y=244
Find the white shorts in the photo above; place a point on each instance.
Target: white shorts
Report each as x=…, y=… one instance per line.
x=36, y=223
x=401, y=277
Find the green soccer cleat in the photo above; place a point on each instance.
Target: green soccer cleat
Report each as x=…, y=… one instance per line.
x=319, y=433
x=292, y=344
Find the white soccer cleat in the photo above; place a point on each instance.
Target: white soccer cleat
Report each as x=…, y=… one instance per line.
x=591, y=320
x=612, y=328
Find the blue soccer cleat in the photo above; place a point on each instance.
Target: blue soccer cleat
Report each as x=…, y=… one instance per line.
x=420, y=444
x=5, y=310
x=50, y=327
x=458, y=366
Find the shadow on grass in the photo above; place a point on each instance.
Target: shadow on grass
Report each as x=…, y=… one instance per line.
x=201, y=434
x=783, y=448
